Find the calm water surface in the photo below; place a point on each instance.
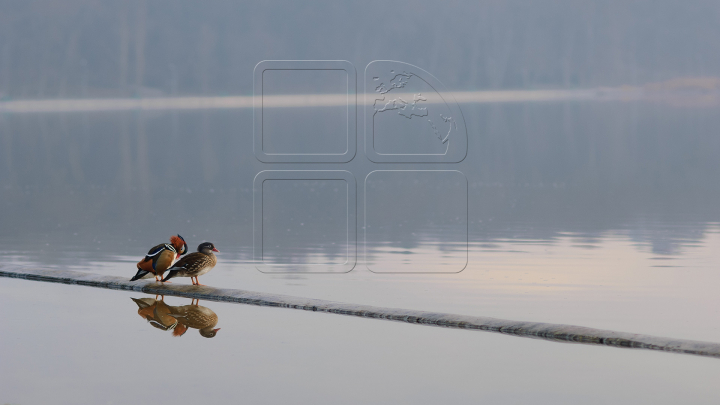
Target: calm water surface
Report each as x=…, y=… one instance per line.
x=600, y=214
x=68, y=344
x=589, y=195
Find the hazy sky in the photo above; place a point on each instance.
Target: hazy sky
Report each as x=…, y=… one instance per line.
x=102, y=48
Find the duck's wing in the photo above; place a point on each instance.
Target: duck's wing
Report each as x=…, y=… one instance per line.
x=143, y=302
x=147, y=264
x=192, y=263
x=145, y=307
x=163, y=260
x=164, y=253
x=153, y=252
x=186, y=262
x=194, y=316
x=162, y=315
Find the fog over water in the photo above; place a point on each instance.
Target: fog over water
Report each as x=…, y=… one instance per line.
x=585, y=167
x=533, y=170
x=89, y=48
x=574, y=181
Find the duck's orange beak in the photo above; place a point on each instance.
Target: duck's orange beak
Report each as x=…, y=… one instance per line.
x=215, y=250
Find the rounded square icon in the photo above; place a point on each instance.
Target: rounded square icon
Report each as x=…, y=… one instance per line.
x=416, y=221
x=304, y=221
x=304, y=111
x=410, y=117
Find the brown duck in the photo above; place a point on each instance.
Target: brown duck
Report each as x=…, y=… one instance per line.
x=160, y=258
x=156, y=313
x=191, y=316
x=195, y=264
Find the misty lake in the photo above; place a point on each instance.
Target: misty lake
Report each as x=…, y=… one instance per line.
x=533, y=162
x=573, y=224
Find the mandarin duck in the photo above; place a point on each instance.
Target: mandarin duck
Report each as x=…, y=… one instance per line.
x=192, y=316
x=160, y=258
x=156, y=313
x=195, y=264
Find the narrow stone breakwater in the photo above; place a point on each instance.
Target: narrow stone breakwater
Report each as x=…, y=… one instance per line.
x=537, y=330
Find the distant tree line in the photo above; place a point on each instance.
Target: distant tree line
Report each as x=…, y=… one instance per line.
x=92, y=48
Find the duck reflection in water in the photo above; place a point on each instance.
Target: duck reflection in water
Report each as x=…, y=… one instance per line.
x=178, y=318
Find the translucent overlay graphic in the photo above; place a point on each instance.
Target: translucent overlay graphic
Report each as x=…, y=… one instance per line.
x=406, y=232
x=410, y=116
x=304, y=111
x=304, y=221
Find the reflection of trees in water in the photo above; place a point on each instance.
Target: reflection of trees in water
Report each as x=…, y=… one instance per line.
x=535, y=170
x=128, y=150
x=590, y=168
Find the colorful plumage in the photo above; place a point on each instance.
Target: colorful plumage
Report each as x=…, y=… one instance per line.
x=191, y=316
x=147, y=308
x=157, y=313
x=195, y=264
x=160, y=258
